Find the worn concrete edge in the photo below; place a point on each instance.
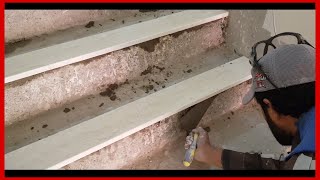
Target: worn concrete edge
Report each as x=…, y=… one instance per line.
x=28, y=64
x=78, y=141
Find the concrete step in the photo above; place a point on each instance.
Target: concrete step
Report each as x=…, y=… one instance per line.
x=29, y=97
x=30, y=130
x=98, y=132
x=164, y=62
x=41, y=106
x=243, y=129
x=92, y=23
x=46, y=59
x=25, y=25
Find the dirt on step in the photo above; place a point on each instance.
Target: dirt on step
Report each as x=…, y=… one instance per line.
x=113, y=86
x=110, y=92
x=147, y=71
x=150, y=69
x=169, y=74
x=66, y=110
x=160, y=68
x=126, y=82
x=149, y=46
x=11, y=47
x=147, y=10
x=148, y=88
x=90, y=24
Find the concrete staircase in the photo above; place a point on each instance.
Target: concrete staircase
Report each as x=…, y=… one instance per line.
x=110, y=92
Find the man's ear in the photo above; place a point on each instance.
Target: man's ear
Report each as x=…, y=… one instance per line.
x=267, y=102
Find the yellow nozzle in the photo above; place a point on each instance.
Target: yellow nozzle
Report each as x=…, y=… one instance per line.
x=186, y=163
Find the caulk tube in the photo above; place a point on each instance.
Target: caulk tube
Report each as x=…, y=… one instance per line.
x=188, y=158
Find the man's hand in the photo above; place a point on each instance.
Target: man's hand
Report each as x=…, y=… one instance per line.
x=205, y=152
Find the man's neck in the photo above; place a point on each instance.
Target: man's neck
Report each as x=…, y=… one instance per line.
x=291, y=124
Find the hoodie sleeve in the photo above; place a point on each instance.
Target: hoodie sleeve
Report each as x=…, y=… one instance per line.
x=232, y=160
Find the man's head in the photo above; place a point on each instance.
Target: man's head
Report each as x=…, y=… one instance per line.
x=291, y=68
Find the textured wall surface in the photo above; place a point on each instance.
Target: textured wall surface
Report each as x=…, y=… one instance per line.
x=246, y=27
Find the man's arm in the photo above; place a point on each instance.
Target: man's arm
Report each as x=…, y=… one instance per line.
x=227, y=159
x=232, y=160
x=253, y=161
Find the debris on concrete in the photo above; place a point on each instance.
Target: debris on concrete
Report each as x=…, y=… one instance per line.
x=148, y=10
x=147, y=88
x=149, y=46
x=159, y=68
x=110, y=92
x=147, y=71
x=90, y=24
x=169, y=74
x=66, y=110
x=11, y=47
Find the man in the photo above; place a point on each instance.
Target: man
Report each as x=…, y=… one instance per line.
x=283, y=84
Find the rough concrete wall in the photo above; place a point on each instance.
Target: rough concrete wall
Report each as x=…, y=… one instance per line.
x=25, y=24
x=300, y=21
x=246, y=27
x=29, y=97
x=154, y=138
